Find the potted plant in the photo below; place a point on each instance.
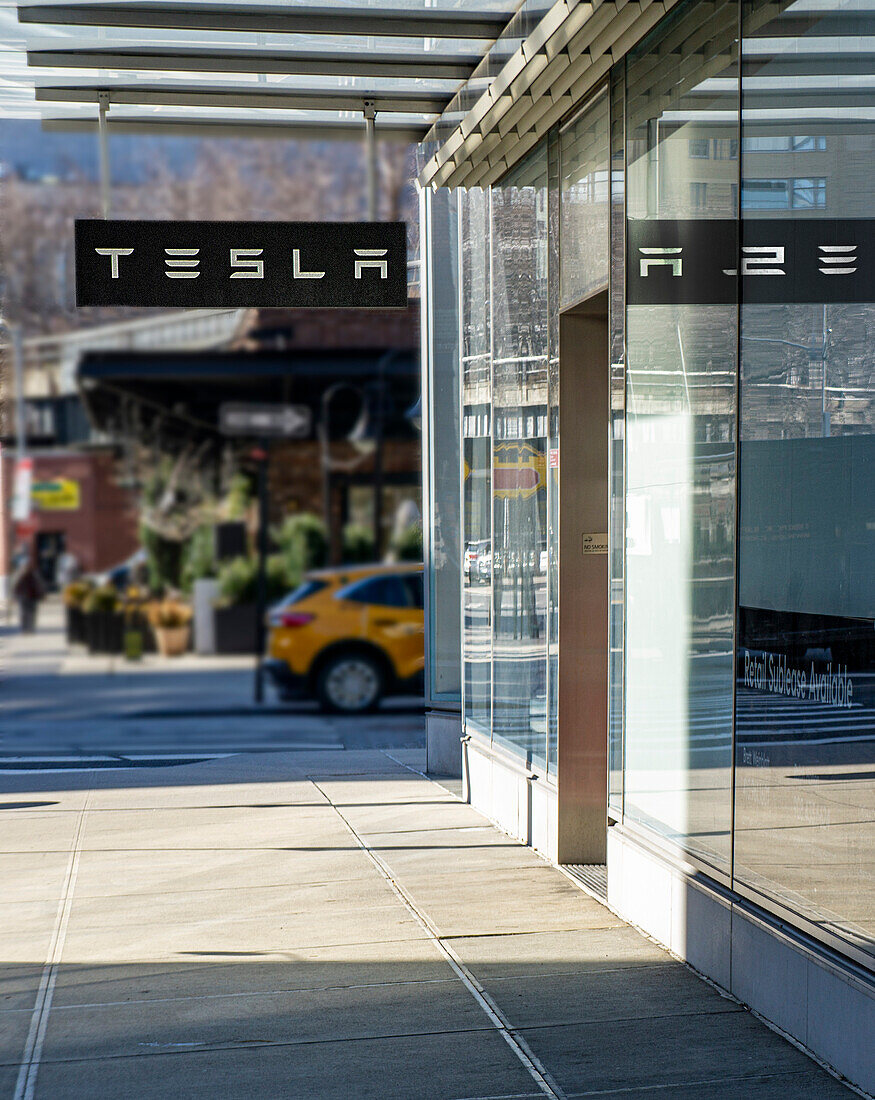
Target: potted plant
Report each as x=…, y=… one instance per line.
x=74, y=597
x=103, y=620
x=235, y=618
x=237, y=608
x=138, y=638
x=171, y=621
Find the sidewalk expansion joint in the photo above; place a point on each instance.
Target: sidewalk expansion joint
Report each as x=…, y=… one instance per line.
x=496, y=1017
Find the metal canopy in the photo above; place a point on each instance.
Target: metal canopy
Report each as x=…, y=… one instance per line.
x=435, y=22
x=206, y=60
x=287, y=69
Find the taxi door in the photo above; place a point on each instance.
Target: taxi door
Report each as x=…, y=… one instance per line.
x=396, y=622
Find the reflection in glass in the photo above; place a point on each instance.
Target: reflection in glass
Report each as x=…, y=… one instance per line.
x=444, y=670
x=805, y=708
x=617, y=514
x=585, y=189
x=553, y=259
x=477, y=462
x=680, y=450
x=520, y=402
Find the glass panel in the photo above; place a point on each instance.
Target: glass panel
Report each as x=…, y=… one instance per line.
x=585, y=185
x=443, y=444
x=617, y=518
x=805, y=817
x=553, y=259
x=520, y=343
x=680, y=447
x=477, y=465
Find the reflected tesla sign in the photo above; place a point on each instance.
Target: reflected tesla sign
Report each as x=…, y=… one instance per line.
x=241, y=264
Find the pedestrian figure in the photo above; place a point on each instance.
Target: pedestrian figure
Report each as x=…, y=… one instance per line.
x=27, y=590
x=68, y=569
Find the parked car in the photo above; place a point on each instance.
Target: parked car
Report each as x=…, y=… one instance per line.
x=477, y=562
x=349, y=636
x=123, y=574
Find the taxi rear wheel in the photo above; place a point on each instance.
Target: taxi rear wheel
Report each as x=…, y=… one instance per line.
x=350, y=683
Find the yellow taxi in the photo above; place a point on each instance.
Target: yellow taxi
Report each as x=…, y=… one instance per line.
x=349, y=636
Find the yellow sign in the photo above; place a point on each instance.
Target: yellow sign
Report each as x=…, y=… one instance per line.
x=520, y=470
x=60, y=494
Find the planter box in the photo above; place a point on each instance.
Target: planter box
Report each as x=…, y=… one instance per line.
x=75, y=621
x=172, y=640
x=236, y=628
x=104, y=631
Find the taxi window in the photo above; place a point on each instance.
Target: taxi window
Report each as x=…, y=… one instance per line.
x=413, y=583
x=387, y=591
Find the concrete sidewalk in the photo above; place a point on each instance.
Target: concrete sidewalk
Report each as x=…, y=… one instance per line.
x=333, y=925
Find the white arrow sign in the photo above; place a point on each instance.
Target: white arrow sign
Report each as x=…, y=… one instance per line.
x=252, y=419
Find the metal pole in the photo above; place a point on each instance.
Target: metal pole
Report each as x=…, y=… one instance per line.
x=103, y=144
x=371, y=158
x=378, y=463
x=18, y=373
x=325, y=440
x=263, y=456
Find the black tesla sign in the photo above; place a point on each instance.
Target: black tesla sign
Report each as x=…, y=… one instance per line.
x=241, y=264
x=757, y=261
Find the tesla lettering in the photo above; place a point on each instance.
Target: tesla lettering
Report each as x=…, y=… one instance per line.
x=371, y=261
x=244, y=259
x=179, y=268
x=113, y=254
x=662, y=257
x=297, y=273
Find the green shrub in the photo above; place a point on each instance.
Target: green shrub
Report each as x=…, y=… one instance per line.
x=104, y=598
x=164, y=558
x=239, y=495
x=280, y=578
x=238, y=580
x=358, y=544
x=408, y=544
x=303, y=542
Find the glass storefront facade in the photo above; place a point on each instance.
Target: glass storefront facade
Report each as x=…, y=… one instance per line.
x=719, y=186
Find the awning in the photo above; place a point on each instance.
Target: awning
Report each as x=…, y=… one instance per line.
x=293, y=68
x=174, y=397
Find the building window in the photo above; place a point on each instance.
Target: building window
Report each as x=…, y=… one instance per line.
x=765, y=194
x=698, y=196
x=783, y=143
x=808, y=144
x=809, y=194
x=700, y=148
x=726, y=148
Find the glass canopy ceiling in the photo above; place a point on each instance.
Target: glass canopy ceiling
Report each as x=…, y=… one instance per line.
x=255, y=67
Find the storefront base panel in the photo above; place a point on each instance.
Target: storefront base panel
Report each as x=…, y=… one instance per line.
x=826, y=1007
x=443, y=747
x=512, y=794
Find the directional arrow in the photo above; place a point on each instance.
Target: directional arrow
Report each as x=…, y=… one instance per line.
x=253, y=419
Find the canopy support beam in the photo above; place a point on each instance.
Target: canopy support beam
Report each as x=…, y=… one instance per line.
x=103, y=147
x=371, y=157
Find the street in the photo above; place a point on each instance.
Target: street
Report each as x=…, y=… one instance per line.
x=54, y=700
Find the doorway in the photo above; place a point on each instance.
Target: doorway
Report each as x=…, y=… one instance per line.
x=49, y=547
x=584, y=408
